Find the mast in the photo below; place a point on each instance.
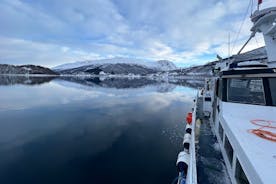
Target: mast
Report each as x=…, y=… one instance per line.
x=259, y=3
x=265, y=22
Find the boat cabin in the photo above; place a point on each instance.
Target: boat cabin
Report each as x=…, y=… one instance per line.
x=244, y=120
x=252, y=86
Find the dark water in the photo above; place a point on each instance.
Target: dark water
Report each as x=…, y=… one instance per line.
x=91, y=131
x=211, y=168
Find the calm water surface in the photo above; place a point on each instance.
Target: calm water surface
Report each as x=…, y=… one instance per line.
x=82, y=131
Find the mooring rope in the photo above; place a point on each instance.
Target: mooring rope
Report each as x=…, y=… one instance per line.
x=260, y=132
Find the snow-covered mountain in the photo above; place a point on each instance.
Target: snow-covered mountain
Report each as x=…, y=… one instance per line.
x=25, y=69
x=116, y=64
x=165, y=65
x=108, y=69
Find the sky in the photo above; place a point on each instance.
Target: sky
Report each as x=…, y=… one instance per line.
x=53, y=32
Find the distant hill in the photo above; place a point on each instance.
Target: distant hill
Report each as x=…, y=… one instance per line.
x=25, y=69
x=206, y=69
x=123, y=66
x=115, y=66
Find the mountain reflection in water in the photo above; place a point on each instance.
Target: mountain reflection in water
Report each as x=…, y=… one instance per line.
x=107, y=82
x=72, y=130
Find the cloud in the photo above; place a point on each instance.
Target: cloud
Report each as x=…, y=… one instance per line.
x=19, y=51
x=54, y=32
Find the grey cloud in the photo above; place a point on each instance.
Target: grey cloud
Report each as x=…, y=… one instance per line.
x=149, y=29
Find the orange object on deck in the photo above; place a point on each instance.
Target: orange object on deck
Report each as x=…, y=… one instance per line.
x=189, y=118
x=265, y=134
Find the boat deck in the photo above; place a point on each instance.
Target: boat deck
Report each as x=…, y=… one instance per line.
x=256, y=155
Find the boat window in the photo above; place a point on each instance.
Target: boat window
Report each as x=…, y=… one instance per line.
x=207, y=99
x=220, y=89
x=228, y=150
x=272, y=85
x=240, y=175
x=249, y=91
x=217, y=87
x=220, y=132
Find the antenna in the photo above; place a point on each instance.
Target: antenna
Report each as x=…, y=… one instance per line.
x=229, y=44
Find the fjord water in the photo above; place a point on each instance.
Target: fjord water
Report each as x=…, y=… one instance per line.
x=91, y=131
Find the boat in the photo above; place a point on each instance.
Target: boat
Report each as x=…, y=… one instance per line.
x=239, y=105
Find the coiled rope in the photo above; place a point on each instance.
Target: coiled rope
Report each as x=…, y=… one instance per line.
x=260, y=132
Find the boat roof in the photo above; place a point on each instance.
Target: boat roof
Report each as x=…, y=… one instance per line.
x=256, y=155
x=262, y=71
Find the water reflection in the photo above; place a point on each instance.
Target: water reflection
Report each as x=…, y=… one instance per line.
x=26, y=80
x=69, y=132
x=118, y=83
x=106, y=82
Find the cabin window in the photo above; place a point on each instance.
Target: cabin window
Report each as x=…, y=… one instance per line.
x=240, y=175
x=249, y=91
x=220, y=132
x=220, y=89
x=272, y=85
x=217, y=87
x=228, y=149
x=207, y=99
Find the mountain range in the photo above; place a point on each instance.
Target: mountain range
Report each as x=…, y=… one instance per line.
x=129, y=67
x=115, y=66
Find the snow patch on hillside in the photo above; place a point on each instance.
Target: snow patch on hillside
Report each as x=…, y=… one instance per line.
x=162, y=65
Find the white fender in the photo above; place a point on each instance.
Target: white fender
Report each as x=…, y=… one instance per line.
x=188, y=128
x=187, y=141
x=182, y=162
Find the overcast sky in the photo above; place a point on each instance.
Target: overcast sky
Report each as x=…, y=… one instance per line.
x=52, y=32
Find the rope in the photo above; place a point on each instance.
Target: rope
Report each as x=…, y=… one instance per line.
x=268, y=135
x=251, y=36
x=238, y=34
x=179, y=180
x=263, y=123
x=175, y=180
